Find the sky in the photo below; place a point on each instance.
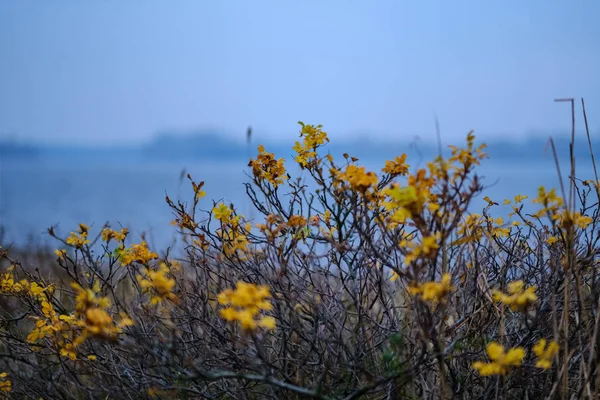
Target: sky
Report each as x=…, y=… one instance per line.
x=118, y=72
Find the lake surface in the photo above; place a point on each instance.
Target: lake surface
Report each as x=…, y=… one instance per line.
x=35, y=195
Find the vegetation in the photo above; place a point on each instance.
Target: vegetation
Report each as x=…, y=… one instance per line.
x=350, y=284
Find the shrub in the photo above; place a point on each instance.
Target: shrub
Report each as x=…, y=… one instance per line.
x=350, y=284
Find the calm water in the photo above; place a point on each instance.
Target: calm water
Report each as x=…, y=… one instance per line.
x=36, y=195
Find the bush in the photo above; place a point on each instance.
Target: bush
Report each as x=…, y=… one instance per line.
x=350, y=284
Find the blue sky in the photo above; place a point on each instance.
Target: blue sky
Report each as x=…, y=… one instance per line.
x=92, y=72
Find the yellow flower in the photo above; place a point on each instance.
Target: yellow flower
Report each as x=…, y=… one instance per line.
x=229, y=314
x=490, y=201
x=412, y=199
x=468, y=156
x=137, y=253
x=109, y=234
x=314, y=137
x=60, y=253
x=8, y=284
x=267, y=322
x=266, y=167
x=92, y=316
x=567, y=219
x=47, y=309
x=245, y=305
x=519, y=198
x=36, y=290
x=518, y=298
x=297, y=221
x=68, y=350
x=549, y=200
x=233, y=236
x=358, y=178
x=79, y=239
x=545, y=355
x=501, y=360
x=5, y=383
x=222, y=212
x=427, y=248
x=87, y=298
x=225, y=296
x=125, y=321
x=198, y=192
x=158, y=283
x=98, y=320
x=434, y=292
x=246, y=319
x=397, y=166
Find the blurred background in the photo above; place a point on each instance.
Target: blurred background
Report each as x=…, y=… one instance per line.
x=104, y=104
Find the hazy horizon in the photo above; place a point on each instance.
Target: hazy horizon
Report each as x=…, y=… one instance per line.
x=240, y=139
x=109, y=72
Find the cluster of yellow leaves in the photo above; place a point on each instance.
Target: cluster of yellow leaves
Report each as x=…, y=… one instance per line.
x=551, y=206
x=566, y=219
x=5, y=383
x=358, y=179
x=245, y=304
x=69, y=331
x=91, y=310
x=299, y=225
x=272, y=227
x=496, y=228
x=185, y=222
x=468, y=156
x=233, y=231
x=157, y=282
x=518, y=297
x=8, y=284
x=51, y=325
x=266, y=167
x=518, y=199
x=313, y=138
x=136, y=253
x=80, y=238
x=90, y=318
x=501, y=360
x=470, y=228
x=396, y=167
x=296, y=221
x=234, y=241
x=109, y=234
x=545, y=354
x=409, y=201
x=474, y=227
x=276, y=229
x=60, y=254
x=222, y=213
x=197, y=187
x=434, y=292
x=549, y=200
x=427, y=248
